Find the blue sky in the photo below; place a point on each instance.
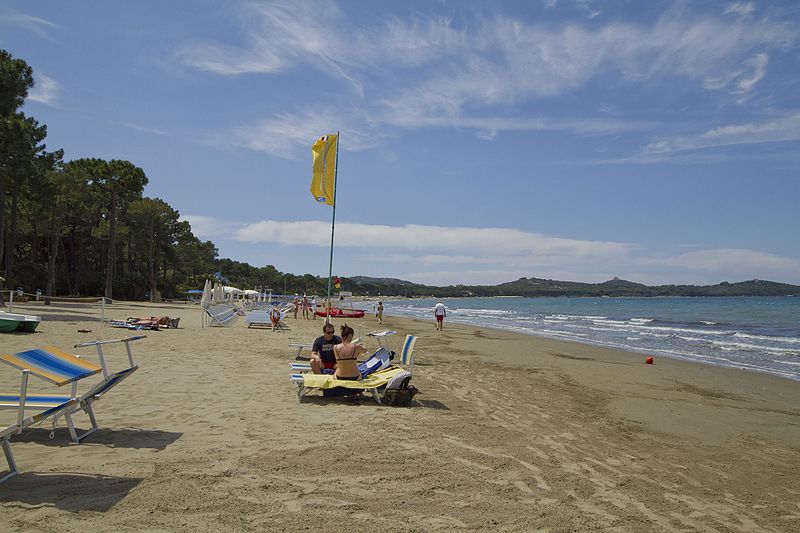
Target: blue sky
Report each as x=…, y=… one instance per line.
x=480, y=141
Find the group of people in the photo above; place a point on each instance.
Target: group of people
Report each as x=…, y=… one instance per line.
x=337, y=355
x=308, y=307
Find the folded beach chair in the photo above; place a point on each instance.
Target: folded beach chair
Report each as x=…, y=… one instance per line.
x=372, y=383
x=52, y=365
x=222, y=315
x=23, y=422
x=58, y=367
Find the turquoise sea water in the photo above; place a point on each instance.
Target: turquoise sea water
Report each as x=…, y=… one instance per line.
x=753, y=333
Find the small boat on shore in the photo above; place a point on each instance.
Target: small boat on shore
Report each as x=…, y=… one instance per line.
x=337, y=312
x=14, y=322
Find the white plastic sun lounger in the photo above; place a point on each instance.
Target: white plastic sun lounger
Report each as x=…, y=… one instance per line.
x=224, y=315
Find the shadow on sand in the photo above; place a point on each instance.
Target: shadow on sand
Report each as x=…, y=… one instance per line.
x=367, y=401
x=114, y=438
x=71, y=492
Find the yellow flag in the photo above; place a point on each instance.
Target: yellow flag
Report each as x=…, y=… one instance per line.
x=324, y=168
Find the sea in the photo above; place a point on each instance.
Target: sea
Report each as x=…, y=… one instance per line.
x=753, y=333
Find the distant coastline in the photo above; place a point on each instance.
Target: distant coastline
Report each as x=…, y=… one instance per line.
x=535, y=287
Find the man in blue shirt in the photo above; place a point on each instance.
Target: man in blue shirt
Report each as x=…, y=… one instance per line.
x=323, y=361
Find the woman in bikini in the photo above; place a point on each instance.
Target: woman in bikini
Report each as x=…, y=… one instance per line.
x=347, y=356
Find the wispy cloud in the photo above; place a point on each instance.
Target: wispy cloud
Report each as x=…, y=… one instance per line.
x=45, y=90
x=143, y=129
x=733, y=261
x=784, y=128
x=35, y=24
x=740, y=8
x=475, y=74
x=204, y=227
x=288, y=135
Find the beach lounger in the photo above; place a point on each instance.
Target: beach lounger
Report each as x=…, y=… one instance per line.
x=110, y=380
x=371, y=384
x=300, y=347
x=224, y=315
x=60, y=368
x=23, y=423
x=407, y=352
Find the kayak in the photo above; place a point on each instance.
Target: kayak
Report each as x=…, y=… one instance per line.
x=341, y=313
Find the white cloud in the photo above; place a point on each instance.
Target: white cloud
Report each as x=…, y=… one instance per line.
x=412, y=237
x=740, y=8
x=453, y=255
x=288, y=134
x=143, y=128
x=45, y=90
x=35, y=24
x=204, y=227
x=733, y=260
x=781, y=129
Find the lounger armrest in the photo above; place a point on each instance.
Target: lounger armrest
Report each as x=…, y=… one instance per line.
x=95, y=343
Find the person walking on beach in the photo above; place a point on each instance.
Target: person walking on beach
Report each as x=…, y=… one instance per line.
x=296, y=304
x=439, y=312
x=379, y=313
x=314, y=307
x=305, y=307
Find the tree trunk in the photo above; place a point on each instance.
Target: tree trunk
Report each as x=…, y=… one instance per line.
x=112, y=246
x=35, y=242
x=2, y=234
x=151, y=262
x=2, y=221
x=51, y=262
x=12, y=233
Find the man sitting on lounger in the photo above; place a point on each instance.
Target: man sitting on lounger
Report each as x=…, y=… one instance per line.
x=323, y=361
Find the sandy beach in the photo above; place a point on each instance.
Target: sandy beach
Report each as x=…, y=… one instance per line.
x=508, y=433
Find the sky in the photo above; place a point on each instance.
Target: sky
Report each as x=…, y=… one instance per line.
x=480, y=142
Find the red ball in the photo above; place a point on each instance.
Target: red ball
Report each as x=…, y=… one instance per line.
x=649, y=360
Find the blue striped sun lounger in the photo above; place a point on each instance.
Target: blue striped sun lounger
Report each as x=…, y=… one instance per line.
x=60, y=368
x=23, y=423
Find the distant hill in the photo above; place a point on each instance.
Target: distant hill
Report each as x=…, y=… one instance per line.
x=533, y=287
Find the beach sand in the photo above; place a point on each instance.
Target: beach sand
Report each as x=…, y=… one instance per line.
x=509, y=433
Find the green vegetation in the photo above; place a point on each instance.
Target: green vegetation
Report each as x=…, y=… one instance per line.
x=533, y=287
x=83, y=227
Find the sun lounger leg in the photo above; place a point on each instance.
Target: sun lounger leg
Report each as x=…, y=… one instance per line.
x=301, y=391
x=73, y=432
x=12, y=466
x=375, y=395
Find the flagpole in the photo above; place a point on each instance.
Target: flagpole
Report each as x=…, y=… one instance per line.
x=333, y=225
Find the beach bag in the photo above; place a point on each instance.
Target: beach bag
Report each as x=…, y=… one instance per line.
x=399, y=391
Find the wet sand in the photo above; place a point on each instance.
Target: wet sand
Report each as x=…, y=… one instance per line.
x=509, y=433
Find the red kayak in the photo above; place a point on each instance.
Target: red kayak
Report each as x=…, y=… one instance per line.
x=341, y=313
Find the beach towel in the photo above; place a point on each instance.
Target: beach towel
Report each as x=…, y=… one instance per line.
x=378, y=361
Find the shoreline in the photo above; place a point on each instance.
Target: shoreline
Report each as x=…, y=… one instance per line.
x=663, y=353
x=509, y=431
